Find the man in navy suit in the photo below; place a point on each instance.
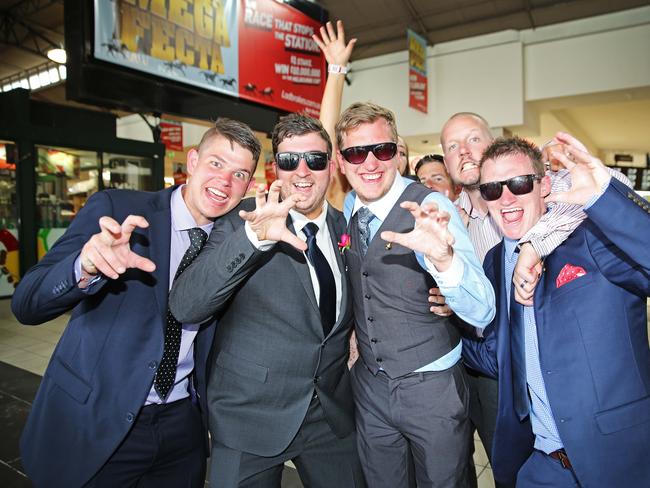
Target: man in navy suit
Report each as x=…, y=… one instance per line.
x=573, y=369
x=122, y=402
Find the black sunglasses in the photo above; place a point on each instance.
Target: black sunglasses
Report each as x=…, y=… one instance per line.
x=289, y=161
x=358, y=154
x=519, y=185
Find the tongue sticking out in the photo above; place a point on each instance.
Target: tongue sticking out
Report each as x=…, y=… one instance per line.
x=510, y=216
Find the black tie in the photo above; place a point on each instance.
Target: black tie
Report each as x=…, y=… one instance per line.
x=518, y=355
x=166, y=373
x=364, y=216
x=327, y=300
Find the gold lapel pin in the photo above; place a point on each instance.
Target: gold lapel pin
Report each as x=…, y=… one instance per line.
x=389, y=246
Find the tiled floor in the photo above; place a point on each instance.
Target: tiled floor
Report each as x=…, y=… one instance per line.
x=29, y=349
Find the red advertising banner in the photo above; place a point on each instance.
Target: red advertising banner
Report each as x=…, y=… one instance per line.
x=171, y=134
x=279, y=63
x=418, y=82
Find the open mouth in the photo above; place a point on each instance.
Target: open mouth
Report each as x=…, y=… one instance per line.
x=512, y=215
x=303, y=186
x=469, y=166
x=217, y=195
x=371, y=177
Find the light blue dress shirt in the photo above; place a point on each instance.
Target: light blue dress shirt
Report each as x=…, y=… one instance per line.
x=466, y=289
x=547, y=438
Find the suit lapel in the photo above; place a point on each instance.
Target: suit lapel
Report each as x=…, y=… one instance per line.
x=299, y=262
x=160, y=242
x=336, y=226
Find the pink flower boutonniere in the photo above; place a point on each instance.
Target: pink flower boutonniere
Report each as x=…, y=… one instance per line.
x=344, y=243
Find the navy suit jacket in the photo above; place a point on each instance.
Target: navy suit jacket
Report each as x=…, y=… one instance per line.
x=103, y=367
x=593, y=347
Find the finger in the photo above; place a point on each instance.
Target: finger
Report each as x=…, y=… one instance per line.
x=110, y=230
x=318, y=42
x=140, y=262
x=340, y=30
x=274, y=192
x=248, y=216
x=430, y=207
x=260, y=196
x=437, y=299
x=566, y=138
x=563, y=159
x=130, y=224
x=559, y=196
x=443, y=311
x=330, y=31
x=349, y=48
x=104, y=260
x=290, y=238
x=324, y=36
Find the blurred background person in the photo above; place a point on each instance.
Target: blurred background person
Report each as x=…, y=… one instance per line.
x=431, y=172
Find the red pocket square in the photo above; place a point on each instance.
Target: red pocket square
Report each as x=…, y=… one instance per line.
x=568, y=274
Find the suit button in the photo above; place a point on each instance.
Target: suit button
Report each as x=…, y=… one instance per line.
x=373, y=340
x=379, y=360
x=370, y=319
x=152, y=365
x=367, y=297
x=229, y=268
x=241, y=255
x=316, y=379
x=129, y=417
x=365, y=273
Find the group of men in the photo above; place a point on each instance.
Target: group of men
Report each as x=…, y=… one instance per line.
x=195, y=309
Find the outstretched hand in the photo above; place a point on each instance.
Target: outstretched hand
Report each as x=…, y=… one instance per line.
x=269, y=219
x=430, y=236
x=588, y=173
x=109, y=252
x=333, y=44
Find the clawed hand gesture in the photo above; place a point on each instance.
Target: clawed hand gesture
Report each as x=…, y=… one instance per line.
x=333, y=44
x=269, y=219
x=588, y=173
x=109, y=252
x=430, y=236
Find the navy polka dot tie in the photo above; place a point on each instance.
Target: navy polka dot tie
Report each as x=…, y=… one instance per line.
x=166, y=374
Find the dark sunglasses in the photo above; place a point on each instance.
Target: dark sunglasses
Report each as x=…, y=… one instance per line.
x=358, y=154
x=519, y=185
x=289, y=161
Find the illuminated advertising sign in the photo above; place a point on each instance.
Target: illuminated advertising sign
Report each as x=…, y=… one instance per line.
x=260, y=50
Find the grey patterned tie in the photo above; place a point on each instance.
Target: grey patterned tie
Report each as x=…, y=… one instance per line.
x=364, y=216
x=166, y=373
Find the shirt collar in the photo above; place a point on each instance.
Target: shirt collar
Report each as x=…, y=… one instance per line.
x=300, y=220
x=181, y=217
x=382, y=207
x=466, y=204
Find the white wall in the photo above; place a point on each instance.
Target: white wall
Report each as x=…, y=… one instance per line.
x=497, y=74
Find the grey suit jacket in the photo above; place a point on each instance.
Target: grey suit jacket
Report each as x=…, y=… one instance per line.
x=270, y=354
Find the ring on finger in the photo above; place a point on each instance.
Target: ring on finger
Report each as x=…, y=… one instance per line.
x=523, y=283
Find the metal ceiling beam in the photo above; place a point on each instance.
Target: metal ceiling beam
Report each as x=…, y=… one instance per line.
x=417, y=18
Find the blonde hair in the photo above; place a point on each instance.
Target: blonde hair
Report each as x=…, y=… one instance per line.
x=363, y=113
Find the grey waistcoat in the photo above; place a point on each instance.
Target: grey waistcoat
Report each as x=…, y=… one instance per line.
x=395, y=329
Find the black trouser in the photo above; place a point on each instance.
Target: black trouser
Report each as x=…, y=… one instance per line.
x=165, y=448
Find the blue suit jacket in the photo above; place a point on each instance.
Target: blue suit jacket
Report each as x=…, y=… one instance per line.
x=593, y=346
x=103, y=367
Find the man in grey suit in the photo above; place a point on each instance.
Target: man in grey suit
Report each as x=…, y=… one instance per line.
x=279, y=387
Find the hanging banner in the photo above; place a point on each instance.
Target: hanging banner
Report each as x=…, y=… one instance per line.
x=418, y=83
x=259, y=50
x=171, y=134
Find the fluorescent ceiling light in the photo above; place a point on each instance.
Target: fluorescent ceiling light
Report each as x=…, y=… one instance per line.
x=58, y=55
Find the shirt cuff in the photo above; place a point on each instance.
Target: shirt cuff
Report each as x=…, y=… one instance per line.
x=595, y=198
x=449, y=278
x=264, y=245
x=78, y=274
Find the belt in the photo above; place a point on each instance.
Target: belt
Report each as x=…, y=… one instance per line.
x=561, y=456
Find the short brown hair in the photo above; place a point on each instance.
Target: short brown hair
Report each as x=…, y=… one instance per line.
x=363, y=113
x=298, y=125
x=508, y=146
x=235, y=132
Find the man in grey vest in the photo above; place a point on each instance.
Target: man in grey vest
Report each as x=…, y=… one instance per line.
x=410, y=390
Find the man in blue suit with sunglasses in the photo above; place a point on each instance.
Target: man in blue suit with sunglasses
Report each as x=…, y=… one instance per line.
x=574, y=368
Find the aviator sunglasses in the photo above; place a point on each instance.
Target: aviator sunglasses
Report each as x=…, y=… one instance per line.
x=519, y=185
x=358, y=154
x=289, y=161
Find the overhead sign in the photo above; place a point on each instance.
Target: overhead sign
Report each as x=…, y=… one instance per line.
x=260, y=50
x=418, y=83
